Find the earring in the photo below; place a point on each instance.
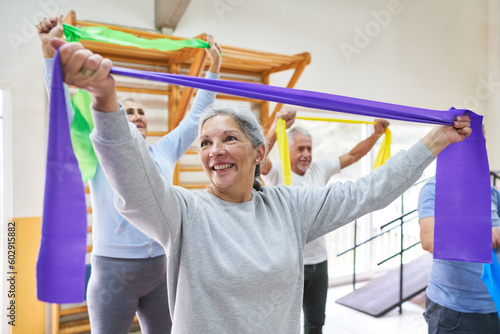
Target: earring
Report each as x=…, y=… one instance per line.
x=257, y=160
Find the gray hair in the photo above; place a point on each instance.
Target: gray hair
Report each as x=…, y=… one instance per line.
x=248, y=123
x=131, y=99
x=297, y=130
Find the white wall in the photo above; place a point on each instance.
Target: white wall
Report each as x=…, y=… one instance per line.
x=427, y=53
x=21, y=65
x=492, y=114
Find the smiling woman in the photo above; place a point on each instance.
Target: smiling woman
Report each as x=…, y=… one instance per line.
x=232, y=146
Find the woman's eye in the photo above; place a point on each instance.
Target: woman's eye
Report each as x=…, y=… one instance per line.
x=204, y=143
x=231, y=138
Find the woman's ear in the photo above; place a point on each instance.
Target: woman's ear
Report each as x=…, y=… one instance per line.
x=261, y=151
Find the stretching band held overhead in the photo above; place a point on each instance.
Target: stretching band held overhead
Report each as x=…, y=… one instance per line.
x=463, y=225
x=463, y=220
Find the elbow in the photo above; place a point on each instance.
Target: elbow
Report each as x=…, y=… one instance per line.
x=427, y=246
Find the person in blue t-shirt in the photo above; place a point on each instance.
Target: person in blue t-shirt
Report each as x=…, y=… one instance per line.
x=457, y=300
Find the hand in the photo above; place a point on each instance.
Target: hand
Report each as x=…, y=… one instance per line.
x=380, y=126
x=288, y=115
x=496, y=237
x=459, y=131
x=214, y=53
x=442, y=136
x=49, y=28
x=101, y=85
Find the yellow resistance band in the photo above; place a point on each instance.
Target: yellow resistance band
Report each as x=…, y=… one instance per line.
x=282, y=139
x=384, y=152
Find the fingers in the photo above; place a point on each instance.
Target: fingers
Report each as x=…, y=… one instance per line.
x=102, y=71
x=93, y=62
x=72, y=55
x=213, y=44
x=56, y=43
x=214, y=53
x=465, y=132
x=45, y=25
x=286, y=114
x=81, y=67
x=461, y=122
x=382, y=122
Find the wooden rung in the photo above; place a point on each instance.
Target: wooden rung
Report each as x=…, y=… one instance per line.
x=235, y=50
x=157, y=133
x=143, y=90
x=229, y=78
x=77, y=326
x=89, y=249
x=237, y=98
x=191, y=152
x=73, y=310
x=194, y=185
x=191, y=169
x=89, y=209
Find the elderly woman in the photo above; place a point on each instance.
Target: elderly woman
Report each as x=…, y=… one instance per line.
x=235, y=251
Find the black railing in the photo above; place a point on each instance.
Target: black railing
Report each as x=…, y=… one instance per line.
x=495, y=175
x=403, y=219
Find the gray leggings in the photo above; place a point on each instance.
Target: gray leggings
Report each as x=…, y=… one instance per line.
x=118, y=288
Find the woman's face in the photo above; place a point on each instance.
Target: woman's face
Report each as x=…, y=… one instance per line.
x=136, y=115
x=228, y=157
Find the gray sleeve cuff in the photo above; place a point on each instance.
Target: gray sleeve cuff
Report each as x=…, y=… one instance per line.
x=421, y=151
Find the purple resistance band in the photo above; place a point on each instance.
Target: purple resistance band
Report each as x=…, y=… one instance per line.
x=463, y=196
x=61, y=261
x=462, y=211
x=60, y=269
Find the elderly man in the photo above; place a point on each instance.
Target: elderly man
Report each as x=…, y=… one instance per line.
x=306, y=173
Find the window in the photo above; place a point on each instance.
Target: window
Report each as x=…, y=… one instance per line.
x=331, y=139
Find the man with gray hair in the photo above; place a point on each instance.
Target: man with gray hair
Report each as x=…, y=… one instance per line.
x=305, y=173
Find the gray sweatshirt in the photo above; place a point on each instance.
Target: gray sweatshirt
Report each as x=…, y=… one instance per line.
x=237, y=267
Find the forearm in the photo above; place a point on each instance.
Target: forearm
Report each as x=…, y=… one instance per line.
x=106, y=103
x=359, y=151
x=271, y=140
x=185, y=133
x=365, y=146
x=215, y=67
x=48, y=51
x=271, y=137
x=351, y=200
x=427, y=233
